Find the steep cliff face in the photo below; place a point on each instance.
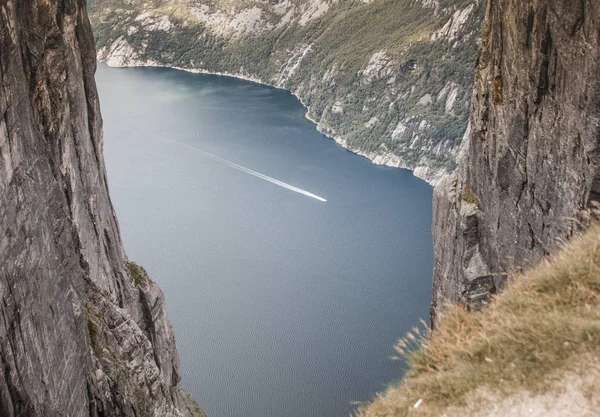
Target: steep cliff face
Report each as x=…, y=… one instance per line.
x=388, y=79
x=531, y=162
x=82, y=333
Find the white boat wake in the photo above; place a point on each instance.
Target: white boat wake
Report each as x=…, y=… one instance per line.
x=256, y=174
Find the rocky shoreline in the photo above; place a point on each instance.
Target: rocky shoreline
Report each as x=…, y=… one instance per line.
x=381, y=157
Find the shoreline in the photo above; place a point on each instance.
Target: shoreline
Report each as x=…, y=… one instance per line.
x=382, y=159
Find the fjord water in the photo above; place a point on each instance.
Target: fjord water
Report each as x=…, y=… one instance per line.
x=283, y=305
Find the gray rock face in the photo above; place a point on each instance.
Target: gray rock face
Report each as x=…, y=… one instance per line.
x=78, y=337
x=531, y=162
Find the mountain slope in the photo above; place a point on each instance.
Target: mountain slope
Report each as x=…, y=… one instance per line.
x=79, y=334
x=390, y=79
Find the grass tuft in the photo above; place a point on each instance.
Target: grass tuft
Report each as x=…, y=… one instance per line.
x=470, y=198
x=137, y=273
x=198, y=412
x=94, y=332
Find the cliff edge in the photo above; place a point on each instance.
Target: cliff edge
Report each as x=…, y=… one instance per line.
x=528, y=171
x=530, y=163
x=82, y=332
x=532, y=352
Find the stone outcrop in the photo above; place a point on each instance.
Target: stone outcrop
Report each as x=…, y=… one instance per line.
x=82, y=333
x=531, y=162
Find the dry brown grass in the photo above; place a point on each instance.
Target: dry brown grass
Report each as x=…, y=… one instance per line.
x=545, y=322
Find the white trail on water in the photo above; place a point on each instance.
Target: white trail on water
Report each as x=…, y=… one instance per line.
x=256, y=174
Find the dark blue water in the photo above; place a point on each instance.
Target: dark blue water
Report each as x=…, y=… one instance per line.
x=283, y=305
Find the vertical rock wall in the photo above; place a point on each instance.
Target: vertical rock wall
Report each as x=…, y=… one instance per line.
x=531, y=162
x=78, y=337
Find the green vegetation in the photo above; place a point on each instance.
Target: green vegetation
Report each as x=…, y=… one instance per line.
x=94, y=332
x=198, y=412
x=498, y=90
x=470, y=198
x=545, y=325
x=342, y=43
x=137, y=273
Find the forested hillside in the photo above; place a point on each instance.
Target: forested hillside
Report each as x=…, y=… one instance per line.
x=390, y=79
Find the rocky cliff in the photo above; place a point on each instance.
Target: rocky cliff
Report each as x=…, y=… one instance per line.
x=531, y=162
x=528, y=171
x=82, y=332
x=388, y=79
